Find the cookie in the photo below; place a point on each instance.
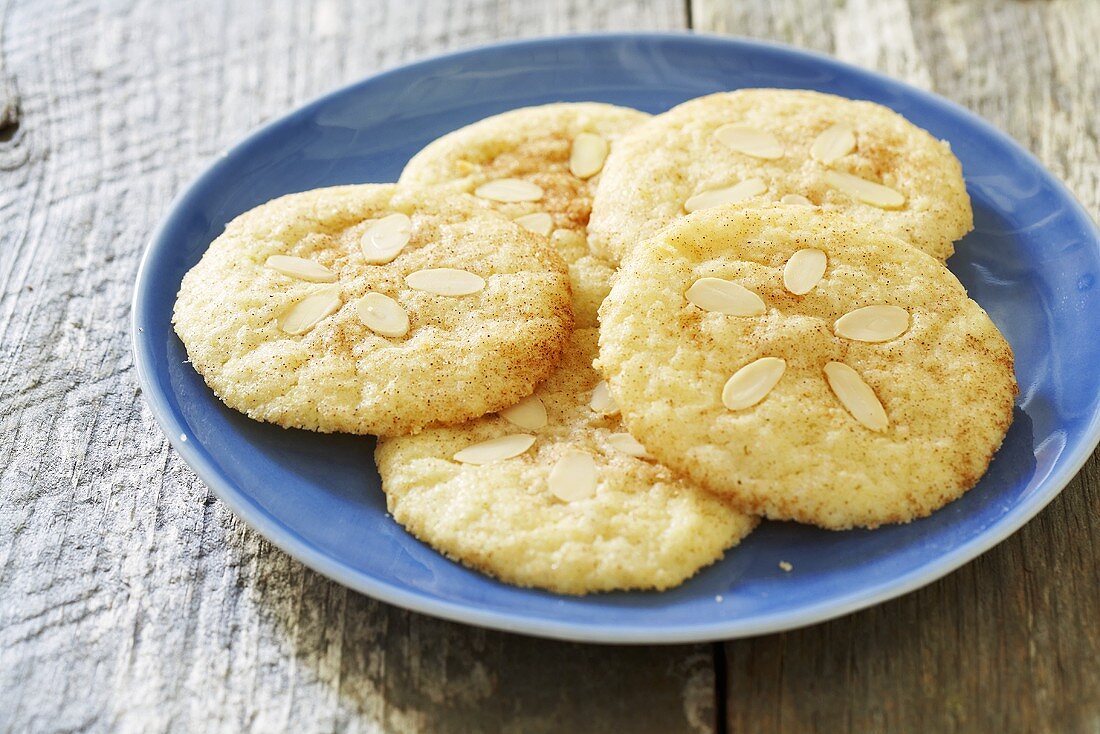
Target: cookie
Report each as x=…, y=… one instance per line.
x=365, y=309
x=538, y=166
x=793, y=146
x=806, y=367
x=552, y=493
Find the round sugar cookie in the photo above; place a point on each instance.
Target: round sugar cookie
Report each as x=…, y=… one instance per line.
x=770, y=145
x=876, y=396
x=538, y=166
x=367, y=309
x=562, y=500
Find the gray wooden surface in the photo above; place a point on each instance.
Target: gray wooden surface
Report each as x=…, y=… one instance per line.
x=132, y=600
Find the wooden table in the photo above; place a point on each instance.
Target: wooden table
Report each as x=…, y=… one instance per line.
x=132, y=600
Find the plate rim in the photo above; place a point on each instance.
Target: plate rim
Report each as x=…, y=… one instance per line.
x=302, y=550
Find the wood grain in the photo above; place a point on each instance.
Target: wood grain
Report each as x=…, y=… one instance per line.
x=131, y=600
x=1010, y=642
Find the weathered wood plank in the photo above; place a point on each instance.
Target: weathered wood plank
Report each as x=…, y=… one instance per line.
x=131, y=600
x=1009, y=642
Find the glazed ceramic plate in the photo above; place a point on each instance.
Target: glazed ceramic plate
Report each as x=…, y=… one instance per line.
x=1032, y=262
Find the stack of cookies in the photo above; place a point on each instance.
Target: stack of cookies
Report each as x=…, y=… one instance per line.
x=597, y=346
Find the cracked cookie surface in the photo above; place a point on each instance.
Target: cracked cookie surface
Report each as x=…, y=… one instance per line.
x=555, y=495
x=770, y=145
x=369, y=309
x=550, y=158
x=875, y=394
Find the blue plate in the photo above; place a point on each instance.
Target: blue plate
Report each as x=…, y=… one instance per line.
x=1032, y=262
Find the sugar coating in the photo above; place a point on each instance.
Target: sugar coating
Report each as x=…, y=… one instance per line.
x=657, y=166
x=644, y=528
x=534, y=144
x=946, y=384
x=462, y=357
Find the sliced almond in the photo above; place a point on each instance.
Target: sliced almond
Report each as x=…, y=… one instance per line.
x=873, y=323
x=856, y=396
x=716, y=197
x=588, y=154
x=724, y=296
x=573, y=477
x=496, y=449
x=804, y=270
x=299, y=267
x=306, y=313
x=601, y=400
x=866, y=191
x=750, y=141
x=385, y=238
x=529, y=414
x=628, y=445
x=752, y=383
x=445, y=281
x=795, y=199
x=509, y=190
x=539, y=223
x=382, y=315
x=833, y=143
